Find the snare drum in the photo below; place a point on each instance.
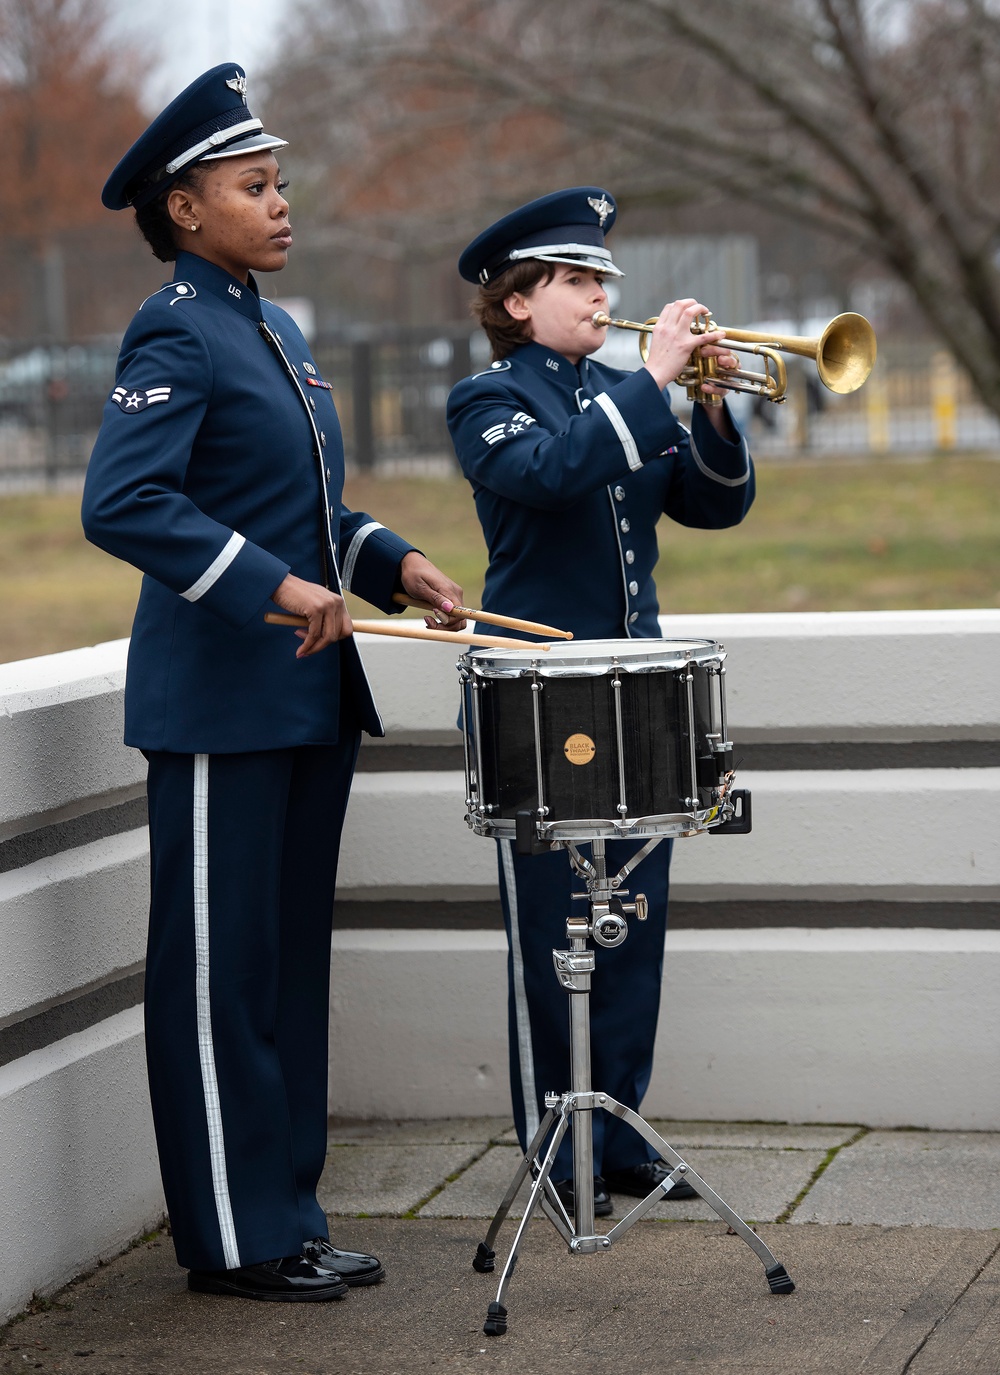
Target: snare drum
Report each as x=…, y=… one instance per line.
x=597, y=738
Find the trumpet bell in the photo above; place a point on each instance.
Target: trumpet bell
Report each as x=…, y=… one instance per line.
x=845, y=354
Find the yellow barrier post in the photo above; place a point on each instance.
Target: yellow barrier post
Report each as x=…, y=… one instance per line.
x=944, y=400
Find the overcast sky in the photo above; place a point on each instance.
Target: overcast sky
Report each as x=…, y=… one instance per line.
x=186, y=37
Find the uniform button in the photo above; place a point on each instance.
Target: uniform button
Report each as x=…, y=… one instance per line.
x=633, y=589
x=633, y=618
x=312, y=403
x=624, y=525
x=328, y=474
x=619, y=494
x=322, y=438
x=332, y=512
x=629, y=556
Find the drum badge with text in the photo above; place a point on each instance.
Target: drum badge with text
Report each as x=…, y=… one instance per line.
x=579, y=749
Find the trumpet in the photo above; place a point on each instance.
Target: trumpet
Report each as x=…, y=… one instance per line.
x=844, y=355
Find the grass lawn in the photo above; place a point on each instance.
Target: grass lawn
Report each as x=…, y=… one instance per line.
x=837, y=536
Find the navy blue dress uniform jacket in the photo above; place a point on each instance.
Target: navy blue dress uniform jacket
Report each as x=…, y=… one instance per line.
x=571, y=469
x=219, y=469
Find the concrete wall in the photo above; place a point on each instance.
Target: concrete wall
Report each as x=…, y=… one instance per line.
x=80, y=1176
x=840, y=963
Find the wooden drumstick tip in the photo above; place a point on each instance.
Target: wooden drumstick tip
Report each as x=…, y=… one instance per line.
x=488, y=618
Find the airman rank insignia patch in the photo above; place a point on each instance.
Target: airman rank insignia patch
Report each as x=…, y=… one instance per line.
x=513, y=427
x=137, y=400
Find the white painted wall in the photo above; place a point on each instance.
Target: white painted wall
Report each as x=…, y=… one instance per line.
x=80, y=1178
x=888, y=1028
x=891, y=1028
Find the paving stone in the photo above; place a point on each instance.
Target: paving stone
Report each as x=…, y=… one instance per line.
x=967, y=1341
x=903, y=1178
x=388, y=1181
x=443, y=1131
x=758, y=1184
x=681, y=1299
x=754, y=1135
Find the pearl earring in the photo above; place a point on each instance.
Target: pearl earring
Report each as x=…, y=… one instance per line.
x=193, y=228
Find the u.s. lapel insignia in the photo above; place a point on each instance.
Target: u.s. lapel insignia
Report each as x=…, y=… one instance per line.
x=602, y=208
x=309, y=368
x=239, y=85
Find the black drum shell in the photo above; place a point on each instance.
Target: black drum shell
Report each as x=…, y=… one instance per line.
x=648, y=774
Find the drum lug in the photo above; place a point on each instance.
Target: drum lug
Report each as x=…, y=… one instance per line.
x=526, y=840
x=740, y=821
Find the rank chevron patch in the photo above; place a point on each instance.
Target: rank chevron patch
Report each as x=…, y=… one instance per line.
x=137, y=400
x=513, y=427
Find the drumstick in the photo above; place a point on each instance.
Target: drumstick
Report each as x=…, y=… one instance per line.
x=487, y=617
x=415, y=632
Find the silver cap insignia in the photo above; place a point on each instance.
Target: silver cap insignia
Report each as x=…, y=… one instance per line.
x=239, y=84
x=601, y=208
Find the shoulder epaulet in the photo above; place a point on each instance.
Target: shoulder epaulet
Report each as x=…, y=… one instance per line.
x=493, y=368
x=182, y=291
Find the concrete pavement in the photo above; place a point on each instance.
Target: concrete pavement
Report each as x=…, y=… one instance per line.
x=892, y=1238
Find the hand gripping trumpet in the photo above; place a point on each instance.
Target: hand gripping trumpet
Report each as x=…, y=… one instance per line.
x=844, y=355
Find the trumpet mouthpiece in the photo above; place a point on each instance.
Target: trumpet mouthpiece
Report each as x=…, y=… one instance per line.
x=599, y=319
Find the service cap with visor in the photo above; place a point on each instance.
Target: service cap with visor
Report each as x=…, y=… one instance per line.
x=207, y=121
x=564, y=227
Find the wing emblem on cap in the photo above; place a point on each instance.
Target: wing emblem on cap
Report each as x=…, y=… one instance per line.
x=602, y=208
x=239, y=85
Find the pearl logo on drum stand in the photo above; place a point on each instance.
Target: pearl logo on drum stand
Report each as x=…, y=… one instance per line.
x=659, y=764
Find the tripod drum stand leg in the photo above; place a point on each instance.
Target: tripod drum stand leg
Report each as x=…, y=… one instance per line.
x=574, y=968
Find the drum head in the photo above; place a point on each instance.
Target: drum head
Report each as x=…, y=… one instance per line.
x=580, y=658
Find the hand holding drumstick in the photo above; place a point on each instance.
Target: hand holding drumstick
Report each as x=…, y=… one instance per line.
x=327, y=619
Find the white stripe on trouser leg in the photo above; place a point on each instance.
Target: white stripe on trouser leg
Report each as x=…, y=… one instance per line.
x=522, y=1021
x=203, y=1004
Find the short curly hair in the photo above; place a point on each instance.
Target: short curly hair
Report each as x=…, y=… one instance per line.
x=153, y=220
x=502, y=330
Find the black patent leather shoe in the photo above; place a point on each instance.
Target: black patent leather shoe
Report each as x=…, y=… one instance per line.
x=639, y=1180
x=602, y=1199
x=289, y=1279
x=353, y=1267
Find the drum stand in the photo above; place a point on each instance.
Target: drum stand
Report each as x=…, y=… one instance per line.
x=605, y=924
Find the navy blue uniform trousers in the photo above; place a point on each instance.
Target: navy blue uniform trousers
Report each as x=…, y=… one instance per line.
x=244, y=865
x=624, y=999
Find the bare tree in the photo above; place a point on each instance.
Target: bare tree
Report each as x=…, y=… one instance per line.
x=69, y=107
x=873, y=122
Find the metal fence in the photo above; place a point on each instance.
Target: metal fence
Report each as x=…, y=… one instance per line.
x=391, y=388
x=391, y=392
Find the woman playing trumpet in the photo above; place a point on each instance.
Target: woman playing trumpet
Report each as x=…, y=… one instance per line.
x=572, y=465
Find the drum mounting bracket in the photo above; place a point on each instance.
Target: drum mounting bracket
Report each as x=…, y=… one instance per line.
x=526, y=840
x=740, y=821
